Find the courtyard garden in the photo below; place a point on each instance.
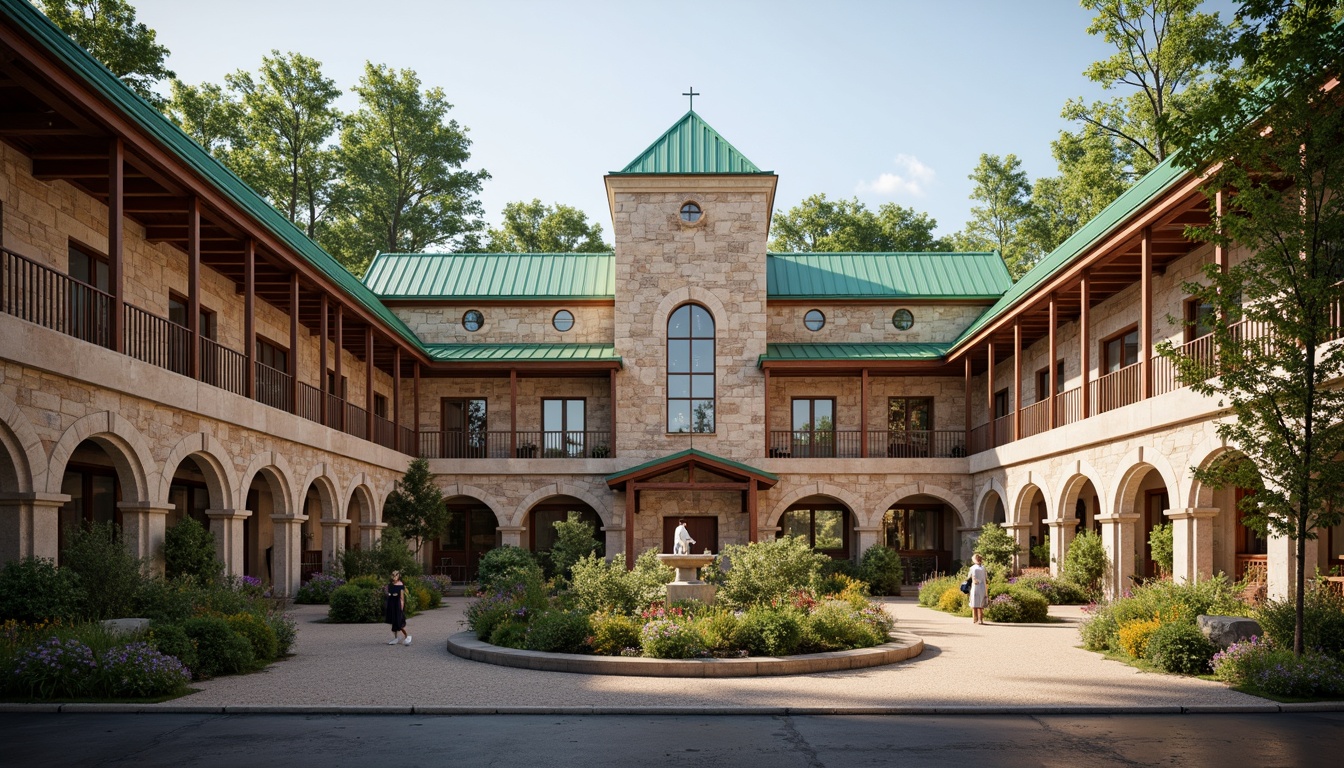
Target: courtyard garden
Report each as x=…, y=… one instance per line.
x=355, y=594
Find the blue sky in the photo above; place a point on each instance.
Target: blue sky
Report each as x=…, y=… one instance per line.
x=889, y=101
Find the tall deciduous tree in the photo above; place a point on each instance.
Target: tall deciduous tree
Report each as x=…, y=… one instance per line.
x=290, y=116
x=403, y=188
x=416, y=506
x=108, y=30
x=1271, y=138
x=999, y=220
x=1090, y=178
x=209, y=114
x=819, y=224
x=537, y=228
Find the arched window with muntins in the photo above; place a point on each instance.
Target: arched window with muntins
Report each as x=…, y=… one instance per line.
x=690, y=370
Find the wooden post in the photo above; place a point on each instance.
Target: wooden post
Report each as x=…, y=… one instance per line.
x=1017, y=379
x=294, y=342
x=415, y=412
x=1054, y=352
x=194, y=288
x=611, y=451
x=767, y=413
x=967, y=408
x=513, y=417
x=863, y=421
x=1084, y=351
x=368, y=383
x=989, y=403
x=631, y=508
x=249, y=321
x=322, y=365
x=116, y=237
x=752, y=511
x=336, y=383
x=1219, y=252
x=1146, y=312
x=396, y=399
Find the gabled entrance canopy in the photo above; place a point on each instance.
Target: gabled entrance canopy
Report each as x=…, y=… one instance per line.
x=704, y=472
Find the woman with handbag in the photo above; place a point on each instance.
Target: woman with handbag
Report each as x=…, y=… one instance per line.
x=978, y=579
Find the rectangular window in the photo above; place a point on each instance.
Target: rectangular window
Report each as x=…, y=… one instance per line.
x=909, y=414
x=1043, y=381
x=89, y=267
x=814, y=426
x=1001, y=403
x=177, y=314
x=331, y=385
x=563, y=425
x=1199, y=318
x=464, y=429
x=272, y=355
x=1120, y=350
x=380, y=405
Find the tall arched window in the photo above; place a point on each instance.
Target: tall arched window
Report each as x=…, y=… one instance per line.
x=690, y=370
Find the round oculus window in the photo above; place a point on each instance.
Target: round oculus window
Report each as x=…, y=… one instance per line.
x=563, y=320
x=902, y=319
x=814, y=320
x=690, y=212
x=473, y=320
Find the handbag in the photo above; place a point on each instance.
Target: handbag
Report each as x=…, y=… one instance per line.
x=966, y=586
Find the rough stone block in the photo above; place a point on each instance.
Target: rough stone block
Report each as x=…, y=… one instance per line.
x=125, y=626
x=1226, y=630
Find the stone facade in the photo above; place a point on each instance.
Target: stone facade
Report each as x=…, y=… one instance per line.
x=529, y=323
x=867, y=323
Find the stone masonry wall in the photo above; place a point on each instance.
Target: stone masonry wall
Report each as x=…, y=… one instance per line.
x=514, y=324
x=850, y=323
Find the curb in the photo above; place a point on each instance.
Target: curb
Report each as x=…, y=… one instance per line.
x=436, y=710
x=902, y=647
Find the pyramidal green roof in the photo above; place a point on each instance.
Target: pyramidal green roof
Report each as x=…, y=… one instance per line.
x=690, y=146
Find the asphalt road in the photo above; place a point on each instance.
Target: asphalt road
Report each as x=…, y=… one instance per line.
x=739, y=741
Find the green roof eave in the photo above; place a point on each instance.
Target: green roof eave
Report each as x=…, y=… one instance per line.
x=688, y=453
x=1156, y=182
x=98, y=77
x=524, y=353
x=877, y=352
x=690, y=147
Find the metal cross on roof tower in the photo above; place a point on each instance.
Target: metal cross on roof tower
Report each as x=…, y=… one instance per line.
x=691, y=93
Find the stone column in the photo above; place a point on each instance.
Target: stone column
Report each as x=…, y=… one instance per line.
x=865, y=538
x=1021, y=533
x=30, y=525
x=1192, y=543
x=614, y=537
x=1061, y=537
x=1282, y=565
x=144, y=524
x=1117, y=536
x=227, y=527
x=510, y=535
x=286, y=554
x=333, y=542
x=962, y=549
x=370, y=533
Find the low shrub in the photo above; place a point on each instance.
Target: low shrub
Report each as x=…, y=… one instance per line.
x=1085, y=563
x=883, y=570
x=189, y=550
x=257, y=632
x=426, y=598
x=767, y=631
x=1018, y=605
x=34, y=589
x=836, y=626
x=953, y=600
x=109, y=575
x=1322, y=620
x=574, y=540
x=138, y=670
x=598, y=585
x=718, y=628
x=614, y=633
x=1181, y=648
x=505, y=565
x=671, y=638
x=219, y=649
x=1134, y=636
x=172, y=640
x=55, y=669
x=763, y=571
x=1259, y=666
x=1056, y=591
x=286, y=632
x=354, y=604
x=438, y=582
x=510, y=633
x=1099, y=630
x=931, y=590
x=317, y=590
x=517, y=602
x=558, y=632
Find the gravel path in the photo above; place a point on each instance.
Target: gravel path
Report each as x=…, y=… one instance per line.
x=963, y=664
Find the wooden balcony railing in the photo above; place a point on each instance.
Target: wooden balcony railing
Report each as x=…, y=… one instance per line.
x=51, y=299
x=157, y=341
x=917, y=444
x=1003, y=430
x=222, y=367
x=815, y=444
x=384, y=432
x=886, y=444
x=335, y=411
x=1118, y=389
x=563, y=445
x=1069, y=406
x=310, y=402
x=273, y=388
x=979, y=439
x=1036, y=418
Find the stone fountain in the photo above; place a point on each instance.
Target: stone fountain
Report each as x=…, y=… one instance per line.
x=687, y=584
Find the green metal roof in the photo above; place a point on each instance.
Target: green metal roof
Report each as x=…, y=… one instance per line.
x=28, y=19
x=691, y=146
x=1154, y=183
x=913, y=351
x=689, y=453
x=518, y=353
x=881, y=275
x=492, y=276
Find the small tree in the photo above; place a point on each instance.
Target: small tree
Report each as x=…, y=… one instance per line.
x=574, y=540
x=1162, y=544
x=189, y=550
x=1085, y=563
x=416, y=506
x=996, y=545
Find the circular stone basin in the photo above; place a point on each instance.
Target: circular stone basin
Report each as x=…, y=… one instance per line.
x=902, y=646
x=688, y=566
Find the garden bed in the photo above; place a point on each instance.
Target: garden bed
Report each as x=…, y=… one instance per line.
x=903, y=646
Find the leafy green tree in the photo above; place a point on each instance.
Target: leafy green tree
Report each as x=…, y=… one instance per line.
x=574, y=540
x=1278, y=309
x=189, y=550
x=536, y=228
x=108, y=30
x=1091, y=175
x=403, y=188
x=1085, y=563
x=819, y=224
x=416, y=506
x=209, y=114
x=1161, y=542
x=996, y=545
x=999, y=221
x=289, y=117
x=1164, y=50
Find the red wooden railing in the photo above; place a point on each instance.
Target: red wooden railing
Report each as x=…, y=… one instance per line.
x=1036, y=418
x=356, y=421
x=1003, y=430
x=310, y=402
x=979, y=439
x=1069, y=406
x=273, y=387
x=51, y=299
x=1117, y=389
x=223, y=367
x=156, y=340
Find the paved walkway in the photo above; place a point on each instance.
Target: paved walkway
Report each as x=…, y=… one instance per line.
x=1008, y=665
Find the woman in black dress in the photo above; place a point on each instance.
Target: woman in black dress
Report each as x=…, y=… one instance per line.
x=396, y=608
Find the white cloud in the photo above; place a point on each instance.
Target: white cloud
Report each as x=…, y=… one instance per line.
x=911, y=179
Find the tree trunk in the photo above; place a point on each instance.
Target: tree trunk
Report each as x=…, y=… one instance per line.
x=1301, y=584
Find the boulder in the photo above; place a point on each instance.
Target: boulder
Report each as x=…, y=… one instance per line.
x=1226, y=630
x=125, y=626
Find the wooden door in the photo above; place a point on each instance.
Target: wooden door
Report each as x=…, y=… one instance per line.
x=703, y=528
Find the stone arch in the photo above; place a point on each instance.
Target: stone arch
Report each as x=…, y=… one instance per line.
x=213, y=459
x=125, y=445
x=320, y=478
x=925, y=489
x=1135, y=465
x=26, y=470
x=1020, y=511
x=687, y=294
x=458, y=489
x=1200, y=495
x=1083, y=473
x=983, y=514
x=560, y=489
x=849, y=499
x=276, y=469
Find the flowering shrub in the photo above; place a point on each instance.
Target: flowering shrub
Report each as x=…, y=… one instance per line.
x=953, y=600
x=1056, y=591
x=138, y=671
x=55, y=669
x=251, y=585
x=671, y=639
x=1017, y=604
x=763, y=631
x=931, y=591
x=438, y=582
x=518, y=601
x=836, y=626
x=317, y=590
x=1260, y=666
x=613, y=633
x=1134, y=636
